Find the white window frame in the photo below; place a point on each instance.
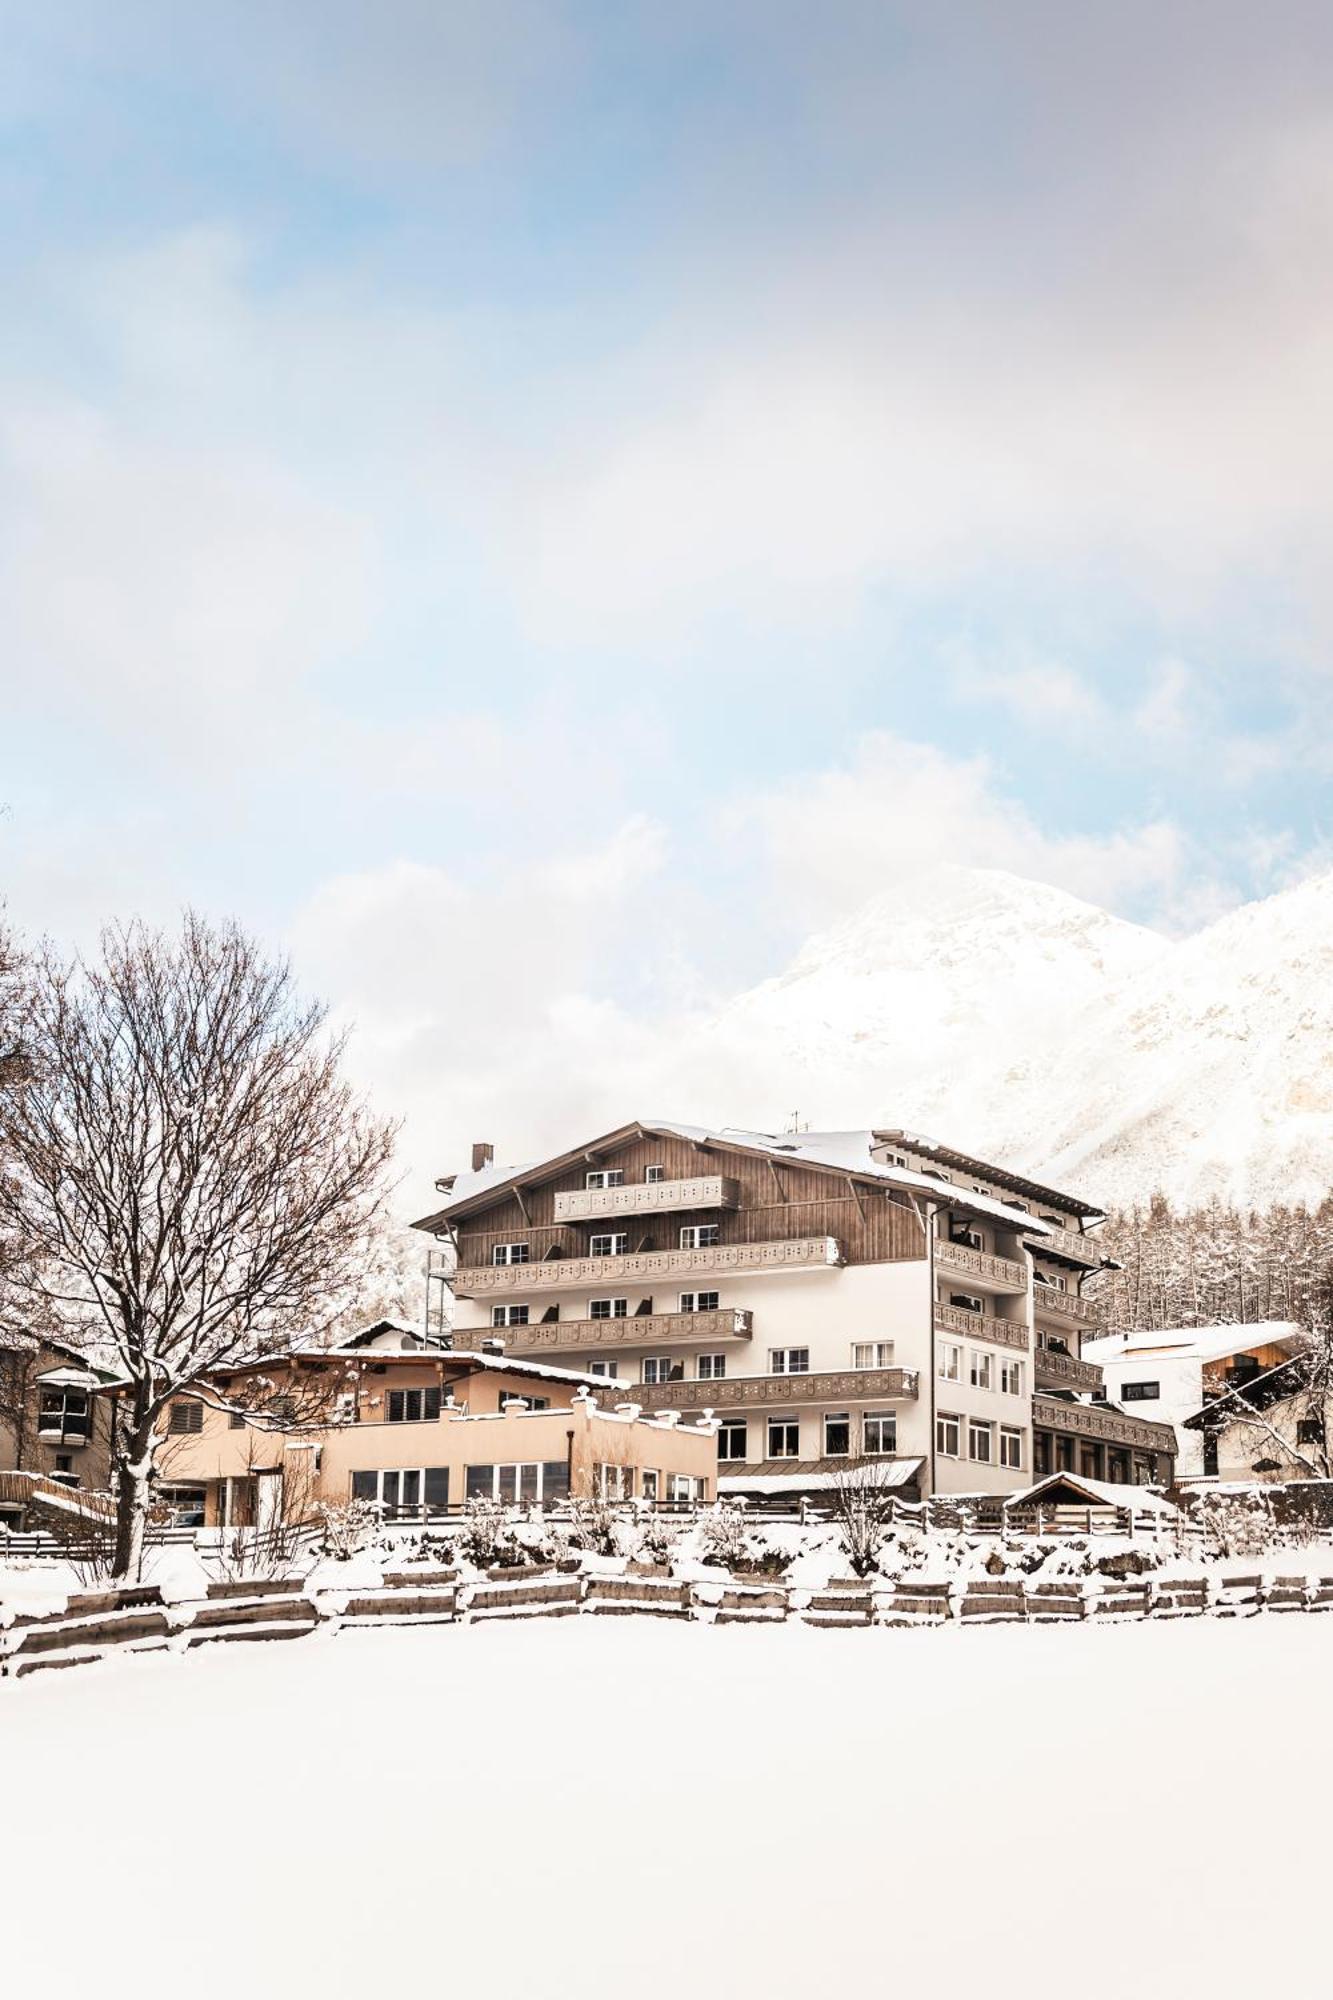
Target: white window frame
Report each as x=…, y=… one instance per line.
x=1011, y=1437
x=604, y=1177
x=616, y=1240
x=880, y=1418
x=715, y=1371
x=876, y=1349
x=700, y=1235
x=599, y=1365
x=516, y=1315
x=1011, y=1376
x=616, y=1308
x=731, y=1428
x=981, y=1368
x=780, y=1361
x=689, y=1301
x=944, y=1419
x=980, y=1427
x=837, y=1417
x=654, y=1175
x=658, y=1362
x=950, y=1361
x=510, y=1253
x=785, y=1424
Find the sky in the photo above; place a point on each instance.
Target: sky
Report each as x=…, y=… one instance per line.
x=536, y=508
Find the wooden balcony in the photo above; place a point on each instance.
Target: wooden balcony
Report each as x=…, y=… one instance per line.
x=1092, y=1420
x=648, y=1198
x=1068, y=1243
x=769, y=1392
x=697, y=1329
x=994, y=1274
x=1063, y=1371
x=1049, y=1302
x=646, y=1267
x=980, y=1326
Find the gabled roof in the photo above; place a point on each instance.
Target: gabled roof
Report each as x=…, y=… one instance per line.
x=1196, y=1343
x=844, y=1153
x=914, y=1142
x=1092, y=1492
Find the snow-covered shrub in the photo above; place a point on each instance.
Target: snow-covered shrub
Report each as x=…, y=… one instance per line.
x=488, y=1536
x=593, y=1525
x=349, y=1527
x=1237, y=1524
x=722, y=1535
x=657, y=1541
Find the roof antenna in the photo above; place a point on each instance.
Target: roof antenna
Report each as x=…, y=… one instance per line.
x=794, y=1123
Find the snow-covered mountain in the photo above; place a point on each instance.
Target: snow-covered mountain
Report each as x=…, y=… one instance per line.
x=1015, y=1020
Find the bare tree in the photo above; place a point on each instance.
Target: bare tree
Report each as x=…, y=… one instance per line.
x=191, y=1183
x=1288, y=1410
x=863, y=1501
x=18, y=1395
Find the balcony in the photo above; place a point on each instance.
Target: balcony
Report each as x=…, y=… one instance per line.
x=980, y=1326
x=1064, y=1371
x=994, y=1274
x=648, y=1198
x=1068, y=1243
x=557, y=1274
x=1049, y=1302
x=1091, y=1420
x=767, y=1392
x=698, y=1329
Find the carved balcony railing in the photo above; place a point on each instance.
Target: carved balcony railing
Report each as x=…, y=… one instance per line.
x=1091, y=1420
x=980, y=1326
x=1069, y=1243
x=766, y=1392
x=697, y=1329
x=1064, y=1371
x=648, y=1198
x=1000, y=1272
x=599, y=1274
x=1049, y=1302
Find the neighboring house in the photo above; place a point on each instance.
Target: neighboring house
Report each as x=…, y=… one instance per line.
x=1272, y=1427
x=1171, y=1374
x=415, y=1430
x=56, y=1414
x=863, y=1297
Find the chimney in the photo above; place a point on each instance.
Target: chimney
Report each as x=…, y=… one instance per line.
x=483, y=1153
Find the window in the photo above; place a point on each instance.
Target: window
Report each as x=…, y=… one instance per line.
x=649, y=1485
x=184, y=1504
x=412, y=1406
x=654, y=1174
x=605, y=1177
x=698, y=1302
x=1309, y=1430
x=712, y=1367
x=981, y=1368
x=872, y=1354
x=1140, y=1392
x=700, y=1235
x=509, y=1253
x=1011, y=1448
x=509, y=1315
x=186, y=1419
x=789, y=1361
x=63, y=1414
x=611, y=1245
x=879, y=1432
x=659, y=1368
x=600, y=1367
x=980, y=1441
x=948, y=1431
x=733, y=1439
x=967, y=1302
x=784, y=1438
x=971, y=1239
x=614, y=1482
x=837, y=1435
x=1011, y=1377
x=685, y=1489
x=518, y=1485
x=608, y=1308
x=236, y=1420
x=951, y=1361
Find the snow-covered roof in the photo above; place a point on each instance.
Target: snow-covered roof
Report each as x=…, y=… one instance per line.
x=844, y=1152
x=508, y=1367
x=1196, y=1343
x=1098, y=1492
x=71, y=1378
x=818, y=1478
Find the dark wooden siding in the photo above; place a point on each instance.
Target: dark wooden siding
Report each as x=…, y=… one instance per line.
x=777, y=1201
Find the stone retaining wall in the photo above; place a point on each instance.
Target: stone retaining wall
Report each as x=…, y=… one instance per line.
x=94, y=1624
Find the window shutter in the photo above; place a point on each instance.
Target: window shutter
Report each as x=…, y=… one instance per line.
x=395, y=1406
x=431, y=1402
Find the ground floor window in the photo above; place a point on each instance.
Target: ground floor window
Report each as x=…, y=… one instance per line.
x=837, y=1435
x=880, y=1433
x=649, y=1485
x=784, y=1438
x=980, y=1442
x=1011, y=1448
x=519, y=1485
x=688, y=1489
x=614, y=1482
x=733, y=1439
x=948, y=1435
x=184, y=1505
x=405, y=1489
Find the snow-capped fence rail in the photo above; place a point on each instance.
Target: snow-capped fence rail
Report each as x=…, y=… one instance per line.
x=92, y=1625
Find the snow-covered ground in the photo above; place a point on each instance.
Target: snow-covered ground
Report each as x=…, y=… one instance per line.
x=629, y=1807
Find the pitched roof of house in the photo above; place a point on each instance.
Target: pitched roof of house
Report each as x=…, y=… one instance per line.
x=1096, y=1492
x=816, y=1475
x=1196, y=1343
x=835, y=1152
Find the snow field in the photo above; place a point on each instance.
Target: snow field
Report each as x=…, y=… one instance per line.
x=634, y=1808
